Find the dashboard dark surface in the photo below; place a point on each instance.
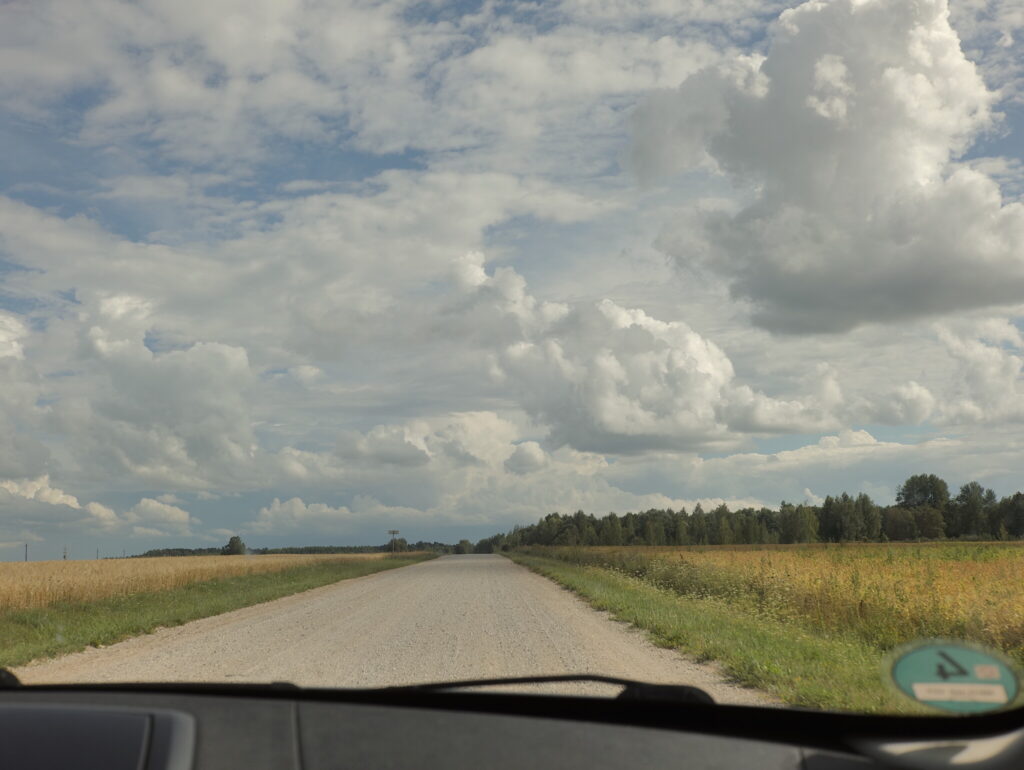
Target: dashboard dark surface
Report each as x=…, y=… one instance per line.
x=112, y=729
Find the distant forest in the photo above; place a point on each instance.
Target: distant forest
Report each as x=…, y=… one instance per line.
x=400, y=545
x=924, y=510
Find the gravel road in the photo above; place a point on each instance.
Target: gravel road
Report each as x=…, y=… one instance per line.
x=456, y=617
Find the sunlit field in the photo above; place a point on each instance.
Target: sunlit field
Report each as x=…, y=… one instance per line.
x=27, y=585
x=885, y=594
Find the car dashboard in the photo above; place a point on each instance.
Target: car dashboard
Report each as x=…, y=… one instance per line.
x=195, y=727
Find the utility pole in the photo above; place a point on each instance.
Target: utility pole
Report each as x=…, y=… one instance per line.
x=393, y=533
x=26, y=551
x=97, y=553
x=65, y=553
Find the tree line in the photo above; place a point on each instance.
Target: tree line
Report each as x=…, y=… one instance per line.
x=924, y=510
x=236, y=546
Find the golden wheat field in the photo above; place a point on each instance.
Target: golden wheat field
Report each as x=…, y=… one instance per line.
x=885, y=593
x=25, y=585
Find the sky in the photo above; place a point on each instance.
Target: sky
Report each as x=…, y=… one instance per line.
x=311, y=271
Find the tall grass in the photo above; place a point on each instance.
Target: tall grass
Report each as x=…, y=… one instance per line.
x=883, y=594
x=29, y=585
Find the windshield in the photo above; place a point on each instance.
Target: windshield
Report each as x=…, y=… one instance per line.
x=363, y=344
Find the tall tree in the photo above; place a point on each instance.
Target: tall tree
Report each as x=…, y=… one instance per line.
x=851, y=523
x=611, y=530
x=871, y=516
x=829, y=525
x=923, y=489
x=973, y=504
x=699, y=526
x=798, y=524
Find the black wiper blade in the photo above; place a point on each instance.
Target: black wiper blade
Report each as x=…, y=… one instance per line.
x=631, y=689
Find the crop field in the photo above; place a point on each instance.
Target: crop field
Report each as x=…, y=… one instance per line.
x=30, y=585
x=883, y=594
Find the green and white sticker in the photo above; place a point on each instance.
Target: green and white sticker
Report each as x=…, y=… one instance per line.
x=954, y=676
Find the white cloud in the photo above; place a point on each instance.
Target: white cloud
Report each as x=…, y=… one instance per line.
x=907, y=404
x=812, y=499
x=606, y=378
x=528, y=457
x=989, y=386
x=176, y=419
x=384, y=444
x=11, y=331
x=150, y=517
x=845, y=133
x=294, y=514
x=30, y=505
x=39, y=489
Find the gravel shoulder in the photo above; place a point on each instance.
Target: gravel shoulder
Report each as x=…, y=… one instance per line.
x=456, y=617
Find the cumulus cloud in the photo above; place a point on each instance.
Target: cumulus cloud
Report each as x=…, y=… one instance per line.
x=812, y=499
x=39, y=489
x=989, y=381
x=384, y=444
x=29, y=504
x=150, y=517
x=606, y=378
x=178, y=418
x=846, y=132
x=30, y=507
x=908, y=404
x=529, y=456
x=294, y=514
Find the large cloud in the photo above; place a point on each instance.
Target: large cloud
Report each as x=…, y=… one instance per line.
x=33, y=507
x=150, y=517
x=178, y=418
x=189, y=78
x=21, y=453
x=988, y=387
x=847, y=133
x=606, y=378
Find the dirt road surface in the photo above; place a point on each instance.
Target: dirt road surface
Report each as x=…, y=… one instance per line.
x=456, y=617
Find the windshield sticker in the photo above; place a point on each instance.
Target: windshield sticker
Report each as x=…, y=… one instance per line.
x=955, y=676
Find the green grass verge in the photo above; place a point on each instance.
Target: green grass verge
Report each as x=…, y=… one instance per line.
x=797, y=665
x=27, y=635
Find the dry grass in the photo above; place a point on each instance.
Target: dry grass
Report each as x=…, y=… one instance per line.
x=885, y=594
x=28, y=585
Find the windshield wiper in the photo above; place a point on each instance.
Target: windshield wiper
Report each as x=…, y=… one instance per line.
x=632, y=689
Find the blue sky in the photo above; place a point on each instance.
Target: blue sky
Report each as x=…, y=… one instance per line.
x=309, y=272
